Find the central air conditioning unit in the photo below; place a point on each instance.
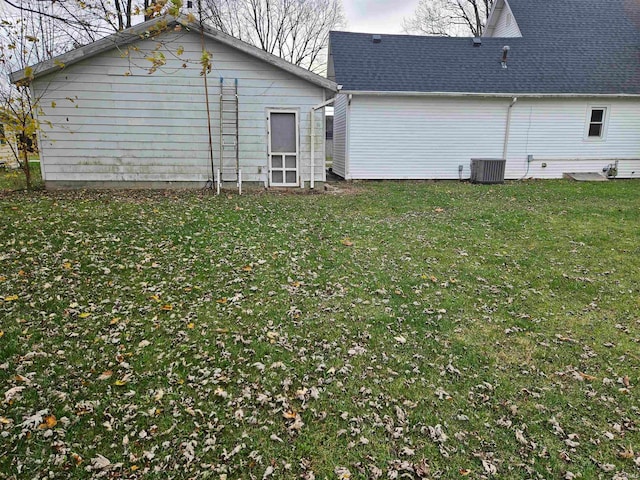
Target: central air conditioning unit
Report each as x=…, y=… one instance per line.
x=487, y=170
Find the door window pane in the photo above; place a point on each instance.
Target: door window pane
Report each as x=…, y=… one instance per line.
x=291, y=177
x=276, y=161
x=283, y=132
x=290, y=161
x=277, y=177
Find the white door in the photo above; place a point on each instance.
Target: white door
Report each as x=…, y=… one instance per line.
x=283, y=148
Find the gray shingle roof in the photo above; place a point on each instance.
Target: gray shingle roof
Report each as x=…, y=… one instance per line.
x=568, y=46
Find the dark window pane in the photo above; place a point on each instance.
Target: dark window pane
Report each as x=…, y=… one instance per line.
x=290, y=161
x=276, y=161
x=595, y=130
x=283, y=132
x=597, y=115
x=277, y=177
x=291, y=177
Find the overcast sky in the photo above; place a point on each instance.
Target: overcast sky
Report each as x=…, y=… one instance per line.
x=377, y=16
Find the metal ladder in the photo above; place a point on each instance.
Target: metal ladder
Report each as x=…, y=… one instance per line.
x=229, y=170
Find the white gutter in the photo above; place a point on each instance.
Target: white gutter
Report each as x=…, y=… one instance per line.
x=312, y=184
x=506, y=129
x=373, y=93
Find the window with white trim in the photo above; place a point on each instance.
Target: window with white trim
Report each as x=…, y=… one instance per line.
x=597, y=119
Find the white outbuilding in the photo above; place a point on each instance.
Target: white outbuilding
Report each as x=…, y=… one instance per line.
x=146, y=108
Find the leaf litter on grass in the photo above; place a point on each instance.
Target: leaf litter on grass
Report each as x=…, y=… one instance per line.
x=438, y=348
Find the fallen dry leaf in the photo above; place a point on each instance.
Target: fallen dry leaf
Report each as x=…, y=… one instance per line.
x=49, y=422
x=105, y=375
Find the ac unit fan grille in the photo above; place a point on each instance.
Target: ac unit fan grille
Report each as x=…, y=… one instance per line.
x=487, y=170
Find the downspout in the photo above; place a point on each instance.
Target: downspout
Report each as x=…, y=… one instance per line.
x=505, y=146
x=347, y=139
x=312, y=184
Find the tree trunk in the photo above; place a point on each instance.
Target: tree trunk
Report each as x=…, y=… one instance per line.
x=26, y=168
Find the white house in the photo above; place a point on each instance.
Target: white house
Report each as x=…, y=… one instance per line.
x=130, y=110
x=7, y=157
x=552, y=87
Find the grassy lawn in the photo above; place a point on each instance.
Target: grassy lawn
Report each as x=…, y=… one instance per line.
x=431, y=330
x=11, y=180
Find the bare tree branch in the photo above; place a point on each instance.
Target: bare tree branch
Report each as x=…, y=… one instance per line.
x=296, y=30
x=449, y=17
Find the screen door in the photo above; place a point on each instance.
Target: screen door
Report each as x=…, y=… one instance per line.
x=283, y=148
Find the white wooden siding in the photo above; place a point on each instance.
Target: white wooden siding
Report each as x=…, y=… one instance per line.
x=107, y=119
x=7, y=153
x=340, y=135
x=416, y=137
x=429, y=138
x=506, y=25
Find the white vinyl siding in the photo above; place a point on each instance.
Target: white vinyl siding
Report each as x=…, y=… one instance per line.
x=422, y=138
x=393, y=137
x=107, y=119
x=506, y=25
x=340, y=135
x=553, y=131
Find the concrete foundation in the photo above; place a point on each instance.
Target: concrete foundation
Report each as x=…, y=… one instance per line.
x=226, y=186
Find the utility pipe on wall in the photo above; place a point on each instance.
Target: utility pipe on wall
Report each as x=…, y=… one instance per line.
x=312, y=184
x=507, y=127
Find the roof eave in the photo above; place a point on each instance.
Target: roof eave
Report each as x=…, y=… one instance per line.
x=99, y=46
x=493, y=16
x=262, y=55
x=131, y=34
x=377, y=93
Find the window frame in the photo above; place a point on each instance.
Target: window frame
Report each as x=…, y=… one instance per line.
x=606, y=109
